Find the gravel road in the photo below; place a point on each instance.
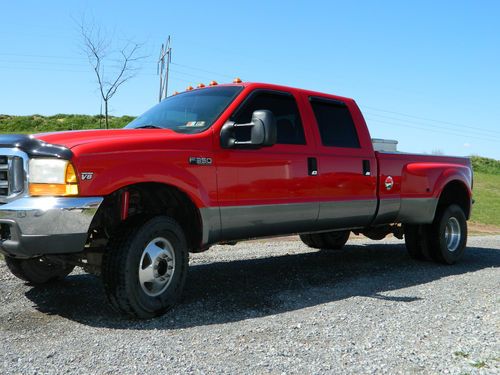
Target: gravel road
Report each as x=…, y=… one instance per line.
x=272, y=307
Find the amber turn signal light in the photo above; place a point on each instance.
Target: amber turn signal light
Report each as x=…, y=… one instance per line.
x=69, y=188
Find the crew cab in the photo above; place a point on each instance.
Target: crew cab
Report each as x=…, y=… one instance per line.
x=217, y=164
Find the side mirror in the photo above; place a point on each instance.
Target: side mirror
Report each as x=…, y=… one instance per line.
x=262, y=132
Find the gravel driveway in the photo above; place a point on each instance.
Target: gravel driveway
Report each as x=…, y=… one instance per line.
x=272, y=307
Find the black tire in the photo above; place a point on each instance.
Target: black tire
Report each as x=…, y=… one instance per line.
x=417, y=241
x=448, y=235
x=334, y=240
x=126, y=257
x=312, y=240
x=37, y=270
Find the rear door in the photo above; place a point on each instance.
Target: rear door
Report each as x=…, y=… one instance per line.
x=347, y=169
x=268, y=191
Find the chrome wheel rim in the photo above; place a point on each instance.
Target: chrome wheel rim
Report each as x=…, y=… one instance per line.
x=156, y=267
x=452, y=234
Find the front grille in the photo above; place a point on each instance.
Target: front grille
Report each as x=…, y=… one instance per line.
x=4, y=176
x=11, y=176
x=4, y=232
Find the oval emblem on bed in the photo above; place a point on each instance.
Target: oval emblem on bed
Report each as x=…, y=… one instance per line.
x=389, y=182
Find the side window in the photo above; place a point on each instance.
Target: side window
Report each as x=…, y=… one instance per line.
x=285, y=111
x=335, y=123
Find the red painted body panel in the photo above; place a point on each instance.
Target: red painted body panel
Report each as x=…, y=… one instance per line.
x=422, y=176
x=124, y=157
x=272, y=175
x=340, y=170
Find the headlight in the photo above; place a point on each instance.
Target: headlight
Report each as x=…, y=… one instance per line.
x=52, y=177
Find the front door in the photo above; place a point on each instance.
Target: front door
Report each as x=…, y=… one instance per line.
x=267, y=191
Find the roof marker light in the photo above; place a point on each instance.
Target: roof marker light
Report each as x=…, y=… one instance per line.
x=237, y=80
x=201, y=85
x=189, y=88
x=213, y=83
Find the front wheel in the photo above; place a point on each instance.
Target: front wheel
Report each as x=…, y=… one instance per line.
x=37, y=270
x=145, y=266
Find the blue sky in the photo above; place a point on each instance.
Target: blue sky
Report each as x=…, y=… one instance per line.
x=426, y=73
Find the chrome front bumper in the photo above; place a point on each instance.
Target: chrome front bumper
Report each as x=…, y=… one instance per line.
x=33, y=226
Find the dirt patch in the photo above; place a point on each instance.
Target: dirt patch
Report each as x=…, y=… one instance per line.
x=482, y=229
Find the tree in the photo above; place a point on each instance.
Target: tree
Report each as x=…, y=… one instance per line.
x=121, y=64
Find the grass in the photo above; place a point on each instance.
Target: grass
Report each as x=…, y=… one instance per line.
x=479, y=364
x=487, y=199
x=461, y=354
x=486, y=191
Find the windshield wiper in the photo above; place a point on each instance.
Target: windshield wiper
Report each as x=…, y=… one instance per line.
x=149, y=127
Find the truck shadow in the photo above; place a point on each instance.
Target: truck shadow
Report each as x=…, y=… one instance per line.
x=223, y=292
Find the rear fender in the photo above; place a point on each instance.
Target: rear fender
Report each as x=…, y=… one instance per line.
x=421, y=188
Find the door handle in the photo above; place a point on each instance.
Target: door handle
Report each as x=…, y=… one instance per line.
x=366, y=168
x=312, y=166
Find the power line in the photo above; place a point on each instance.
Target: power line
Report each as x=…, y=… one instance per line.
x=41, y=56
x=431, y=130
x=423, y=121
x=42, y=69
x=424, y=118
x=203, y=70
x=433, y=125
x=40, y=62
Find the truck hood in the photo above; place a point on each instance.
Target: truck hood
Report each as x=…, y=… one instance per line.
x=123, y=140
x=72, y=139
x=73, y=143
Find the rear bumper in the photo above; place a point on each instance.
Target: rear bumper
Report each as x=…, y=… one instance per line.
x=33, y=226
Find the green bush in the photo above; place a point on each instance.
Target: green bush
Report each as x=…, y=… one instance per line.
x=485, y=165
x=58, y=122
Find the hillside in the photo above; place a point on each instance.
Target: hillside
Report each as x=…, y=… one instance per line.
x=486, y=193
x=487, y=199
x=38, y=124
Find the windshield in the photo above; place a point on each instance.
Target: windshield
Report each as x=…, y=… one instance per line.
x=189, y=112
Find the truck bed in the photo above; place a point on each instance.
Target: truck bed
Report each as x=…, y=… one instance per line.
x=417, y=183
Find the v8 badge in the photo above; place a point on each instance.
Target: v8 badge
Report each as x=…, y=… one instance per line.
x=87, y=175
x=389, y=183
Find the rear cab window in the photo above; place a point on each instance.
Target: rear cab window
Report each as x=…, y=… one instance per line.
x=335, y=124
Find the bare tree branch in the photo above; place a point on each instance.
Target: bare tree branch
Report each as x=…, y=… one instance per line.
x=123, y=68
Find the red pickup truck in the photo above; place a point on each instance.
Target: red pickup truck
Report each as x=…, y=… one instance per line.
x=213, y=165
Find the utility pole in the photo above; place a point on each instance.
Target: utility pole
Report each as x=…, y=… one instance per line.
x=163, y=68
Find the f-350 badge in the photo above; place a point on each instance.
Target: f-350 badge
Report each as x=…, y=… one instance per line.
x=200, y=160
